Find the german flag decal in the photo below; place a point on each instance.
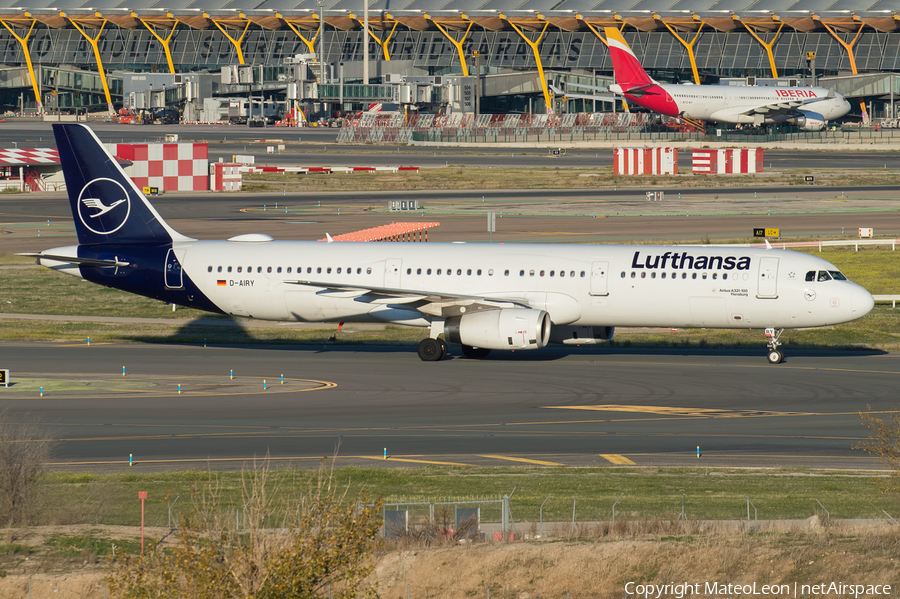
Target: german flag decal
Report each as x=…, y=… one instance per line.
x=220, y=283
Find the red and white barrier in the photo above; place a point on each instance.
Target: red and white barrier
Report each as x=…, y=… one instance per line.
x=325, y=169
x=226, y=176
x=727, y=162
x=16, y=156
x=170, y=167
x=645, y=161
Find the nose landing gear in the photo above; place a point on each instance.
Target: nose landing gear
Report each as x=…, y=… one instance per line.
x=775, y=355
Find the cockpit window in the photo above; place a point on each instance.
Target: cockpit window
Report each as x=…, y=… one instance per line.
x=837, y=275
x=811, y=275
x=823, y=276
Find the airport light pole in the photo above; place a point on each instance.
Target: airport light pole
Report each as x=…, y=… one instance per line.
x=365, y=42
x=321, y=4
x=321, y=56
x=811, y=61
x=476, y=55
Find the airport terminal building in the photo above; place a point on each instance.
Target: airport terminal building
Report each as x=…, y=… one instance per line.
x=76, y=53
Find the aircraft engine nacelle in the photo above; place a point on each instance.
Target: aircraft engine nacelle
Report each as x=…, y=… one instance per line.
x=582, y=335
x=507, y=328
x=810, y=121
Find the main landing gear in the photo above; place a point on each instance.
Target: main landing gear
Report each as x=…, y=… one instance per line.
x=432, y=350
x=775, y=356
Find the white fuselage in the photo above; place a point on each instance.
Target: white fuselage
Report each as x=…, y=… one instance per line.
x=729, y=103
x=590, y=285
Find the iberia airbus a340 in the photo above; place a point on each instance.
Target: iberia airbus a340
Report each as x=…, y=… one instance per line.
x=483, y=297
x=809, y=108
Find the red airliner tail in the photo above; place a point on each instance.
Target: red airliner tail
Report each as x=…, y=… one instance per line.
x=628, y=70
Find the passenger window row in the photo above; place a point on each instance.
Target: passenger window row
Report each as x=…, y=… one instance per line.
x=490, y=272
x=409, y=271
x=288, y=270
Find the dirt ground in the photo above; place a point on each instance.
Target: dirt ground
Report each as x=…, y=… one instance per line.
x=598, y=567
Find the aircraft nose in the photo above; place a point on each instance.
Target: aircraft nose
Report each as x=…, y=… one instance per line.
x=861, y=302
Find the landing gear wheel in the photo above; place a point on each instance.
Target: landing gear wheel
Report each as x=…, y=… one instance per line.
x=443, y=349
x=431, y=350
x=475, y=353
x=775, y=355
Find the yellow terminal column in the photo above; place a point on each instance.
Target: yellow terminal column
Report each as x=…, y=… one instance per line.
x=235, y=42
x=768, y=46
x=148, y=23
x=310, y=43
x=849, y=49
x=537, y=58
x=382, y=42
x=24, y=42
x=457, y=44
x=688, y=45
x=605, y=43
x=93, y=42
x=595, y=32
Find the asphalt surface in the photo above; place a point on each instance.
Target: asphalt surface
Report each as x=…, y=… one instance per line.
x=318, y=147
x=689, y=215
x=573, y=407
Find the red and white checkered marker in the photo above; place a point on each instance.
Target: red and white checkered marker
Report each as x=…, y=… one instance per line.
x=169, y=167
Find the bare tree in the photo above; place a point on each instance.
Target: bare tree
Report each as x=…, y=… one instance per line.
x=310, y=540
x=24, y=450
x=884, y=443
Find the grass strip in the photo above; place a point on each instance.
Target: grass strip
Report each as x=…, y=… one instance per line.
x=649, y=493
x=456, y=177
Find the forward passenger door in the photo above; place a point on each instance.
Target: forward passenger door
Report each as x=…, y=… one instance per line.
x=600, y=278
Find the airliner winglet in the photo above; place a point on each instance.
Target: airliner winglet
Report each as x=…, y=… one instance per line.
x=480, y=296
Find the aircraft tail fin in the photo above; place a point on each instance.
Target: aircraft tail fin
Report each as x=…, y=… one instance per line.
x=628, y=70
x=106, y=204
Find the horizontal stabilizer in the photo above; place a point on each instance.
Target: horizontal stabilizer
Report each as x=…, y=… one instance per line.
x=598, y=97
x=79, y=261
x=598, y=88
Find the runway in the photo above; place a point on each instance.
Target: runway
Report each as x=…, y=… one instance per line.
x=570, y=407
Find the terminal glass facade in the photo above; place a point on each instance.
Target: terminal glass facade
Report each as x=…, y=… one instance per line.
x=732, y=54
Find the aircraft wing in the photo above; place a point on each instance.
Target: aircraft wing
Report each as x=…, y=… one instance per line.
x=427, y=302
x=79, y=261
x=786, y=107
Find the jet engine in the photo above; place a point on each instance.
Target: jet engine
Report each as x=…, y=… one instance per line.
x=582, y=335
x=810, y=121
x=506, y=328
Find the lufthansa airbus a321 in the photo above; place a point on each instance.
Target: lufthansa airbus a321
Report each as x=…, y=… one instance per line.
x=483, y=297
